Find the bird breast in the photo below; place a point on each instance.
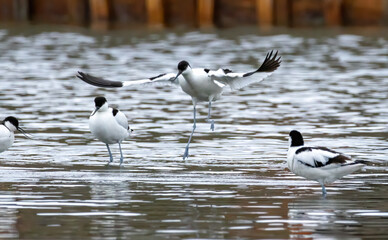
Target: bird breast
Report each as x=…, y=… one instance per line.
x=199, y=85
x=6, y=138
x=290, y=158
x=104, y=126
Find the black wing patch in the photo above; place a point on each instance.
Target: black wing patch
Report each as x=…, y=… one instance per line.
x=325, y=149
x=97, y=81
x=115, y=111
x=316, y=164
x=309, y=149
x=358, y=162
x=152, y=78
x=338, y=159
x=270, y=64
x=226, y=71
x=303, y=149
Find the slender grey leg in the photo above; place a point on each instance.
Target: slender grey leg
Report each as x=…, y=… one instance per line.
x=208, y=116
x=110, y=154
x=121, y=154
x=186, y=154
x=323, y=190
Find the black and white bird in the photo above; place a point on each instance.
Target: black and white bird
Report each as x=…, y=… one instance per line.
x=109, y=125
x=202, y=84
x=318, y=163
x=7, y=128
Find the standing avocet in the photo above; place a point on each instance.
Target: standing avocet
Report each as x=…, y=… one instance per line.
x=7, y=128
x=202, y=84
x=318, y=163
x=109, y=125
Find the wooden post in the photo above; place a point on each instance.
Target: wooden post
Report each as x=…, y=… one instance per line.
x=21, y=10
x=99, y=13
x=205, y=13
x=332, y=12
x=265, y=10
x=385, y=13
x=283, y=13
x=155, y=13
x=77, y=11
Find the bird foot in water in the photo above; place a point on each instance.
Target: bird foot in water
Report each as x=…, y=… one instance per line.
x=323, y=191
x=186, y=154
x=110, y=160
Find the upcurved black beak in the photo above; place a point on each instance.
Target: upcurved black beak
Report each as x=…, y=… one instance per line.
x=95, y=110
x=179, y=73
x=27, y=135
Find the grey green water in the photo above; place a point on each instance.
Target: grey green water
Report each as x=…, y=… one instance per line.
x=332, y=86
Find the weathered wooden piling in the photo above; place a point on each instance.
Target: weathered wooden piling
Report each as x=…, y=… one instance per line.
x=205, y=13
x=21, y=10
x=265, y=13
x=128, y=13
x=99, y=14
x=282, y=13
x=105, y=14
x=155, y=13
x=364, y=13
x=332, y=12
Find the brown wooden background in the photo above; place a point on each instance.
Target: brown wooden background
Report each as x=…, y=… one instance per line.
x=104, y=14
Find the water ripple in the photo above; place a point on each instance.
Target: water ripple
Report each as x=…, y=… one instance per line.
x=332, y=87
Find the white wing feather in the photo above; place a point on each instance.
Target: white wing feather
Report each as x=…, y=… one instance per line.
x=240, y=80
x=166, y=78
x=236, y=80
x=122, y=119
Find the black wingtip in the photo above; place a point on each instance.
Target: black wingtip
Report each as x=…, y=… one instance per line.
x=97, y=81
x=80, y=75
x=271, y=62
x=362, y=162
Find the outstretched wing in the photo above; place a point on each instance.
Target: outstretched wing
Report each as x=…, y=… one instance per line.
x=165, y=78
x=317, y=157
x=240, y=80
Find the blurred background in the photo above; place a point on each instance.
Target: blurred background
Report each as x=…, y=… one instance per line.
x=332, y=86
x=107, y=14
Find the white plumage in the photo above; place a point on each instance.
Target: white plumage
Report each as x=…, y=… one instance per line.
x=7, y=128
x=318, y=163
x=201, y=84
x=236, y=80
x=7, y=136
x=109, y=125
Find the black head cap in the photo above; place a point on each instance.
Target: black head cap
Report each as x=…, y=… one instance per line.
x=99, y=101
x=12, y=120
x=182, y=65
x=296, y=138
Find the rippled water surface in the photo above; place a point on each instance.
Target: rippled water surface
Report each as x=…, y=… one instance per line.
x=333, y=87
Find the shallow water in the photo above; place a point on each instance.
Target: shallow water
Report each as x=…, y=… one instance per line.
x=331, y=86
